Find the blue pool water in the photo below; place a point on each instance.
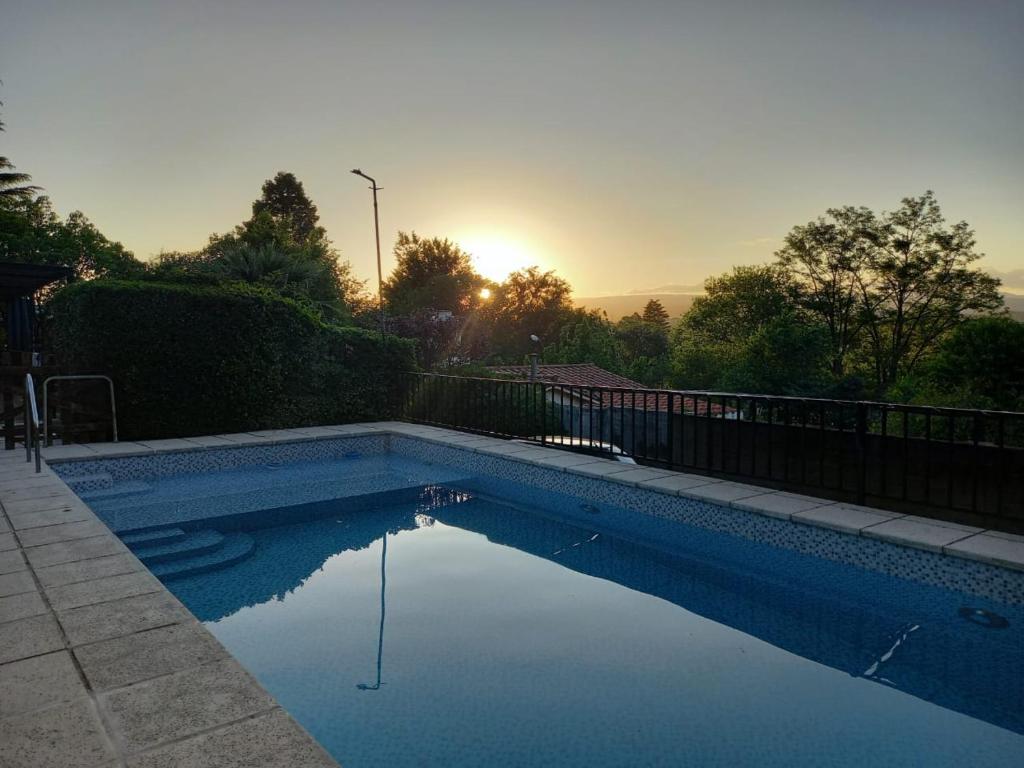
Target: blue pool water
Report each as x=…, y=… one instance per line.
x=457, y=630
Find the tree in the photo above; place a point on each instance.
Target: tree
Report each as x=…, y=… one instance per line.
x=283, y=227
x=32, y=232
x=529, y=303
x=644, y=349
x=826, y=257
x=587, y=336
x=14, y=185
x=656, y=314
x=431, y=273
x=285, y=200
x=979, y=364
x=918, y=286
x=748, y=334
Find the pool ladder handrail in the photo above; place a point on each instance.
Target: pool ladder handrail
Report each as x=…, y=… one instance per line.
x=31, y=422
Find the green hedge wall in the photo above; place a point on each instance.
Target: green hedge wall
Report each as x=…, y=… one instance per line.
x=193, y=360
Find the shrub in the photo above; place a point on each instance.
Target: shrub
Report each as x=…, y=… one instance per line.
x=191, y=359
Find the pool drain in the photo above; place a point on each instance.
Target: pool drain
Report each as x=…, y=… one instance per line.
x=983, y=618
x=589, y=509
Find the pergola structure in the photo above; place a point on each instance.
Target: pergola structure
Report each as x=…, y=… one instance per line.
x=18, y=285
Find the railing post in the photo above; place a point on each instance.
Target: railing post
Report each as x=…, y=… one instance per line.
x=862, y=451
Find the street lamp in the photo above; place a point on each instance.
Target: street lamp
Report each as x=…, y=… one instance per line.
x=376, y=232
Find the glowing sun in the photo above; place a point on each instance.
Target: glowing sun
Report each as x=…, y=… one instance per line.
x=495, y=256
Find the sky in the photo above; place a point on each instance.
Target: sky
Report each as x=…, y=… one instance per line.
x=627, y=146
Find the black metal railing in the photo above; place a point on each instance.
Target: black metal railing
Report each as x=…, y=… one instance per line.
x=944, y=462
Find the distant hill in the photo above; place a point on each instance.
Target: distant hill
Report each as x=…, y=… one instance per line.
x=618, y=307
x=676, y=304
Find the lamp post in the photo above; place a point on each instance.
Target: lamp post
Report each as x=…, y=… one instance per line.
x=376, y=232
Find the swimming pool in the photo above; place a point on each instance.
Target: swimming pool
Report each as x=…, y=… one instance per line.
x=416, y=604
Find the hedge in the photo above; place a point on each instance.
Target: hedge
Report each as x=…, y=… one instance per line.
x=193, y=360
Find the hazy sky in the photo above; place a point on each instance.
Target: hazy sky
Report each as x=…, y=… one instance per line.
x=625, y=144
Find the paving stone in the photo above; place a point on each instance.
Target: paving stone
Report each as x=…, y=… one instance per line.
x=779, y=505
x=11, y=560
x=676, y=482
x=4, y=526
x=66, y=735
x=79, y=549
x=269, y=739
x=124, y=660
x=717, y=493
x=175, y=706
x=91, y=623
x=102, y=590
x=110, y=450
x=67, y=452
x=602, y=468
x=172, y=444
x=915, y=533
x=943, y=524
x=8, y=543
x=16, y=583
x=208, y=441
x=88, y=570
x=243, y=438
x=843, y=517
x=22, y=606
x=569, y=460
x=638, y=475
x=39, y=489
x=29, y=637
x=990, y=549
x=77, y=513
x=51, y=534
x=41, y=681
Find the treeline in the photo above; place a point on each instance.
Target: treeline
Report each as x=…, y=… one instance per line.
x=855, y=304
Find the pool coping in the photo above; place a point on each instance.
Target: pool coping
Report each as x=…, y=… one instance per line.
x=101, y=665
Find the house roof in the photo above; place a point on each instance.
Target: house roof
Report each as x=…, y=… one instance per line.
x=589, y=375
x=577, y=374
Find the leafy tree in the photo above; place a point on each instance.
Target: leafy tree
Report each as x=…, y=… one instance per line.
x=826, y=258
x=32, y=232
x=14, y=185
x=285, y=200
x=529, y=302
x=587, y=337
x=747, y=334
x=737, y=304
x=644, y=348
x=656, y=314
x=283, y=228
x=919, y=285
x=431, y=273
x=980, y=364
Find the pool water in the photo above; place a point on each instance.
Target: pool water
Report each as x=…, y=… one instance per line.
x=458, y=630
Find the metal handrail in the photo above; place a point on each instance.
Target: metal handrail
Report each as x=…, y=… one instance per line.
x=31, y=422
x=46, y=400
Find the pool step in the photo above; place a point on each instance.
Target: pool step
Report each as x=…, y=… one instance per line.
x=97, y=481
x=234, y=548
x=152, y=538
x=192, y=544
x=132, y=488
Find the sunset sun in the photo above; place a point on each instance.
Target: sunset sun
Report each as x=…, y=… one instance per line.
x=495, y=256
